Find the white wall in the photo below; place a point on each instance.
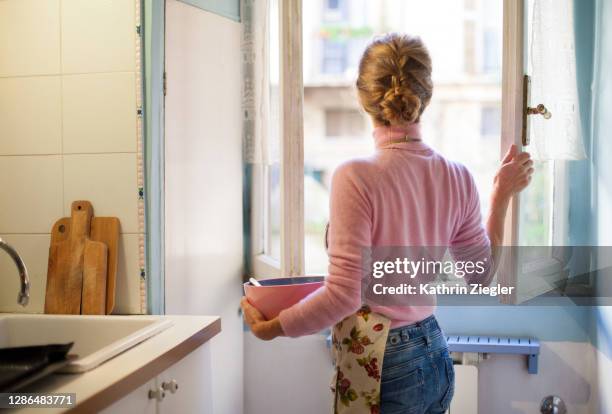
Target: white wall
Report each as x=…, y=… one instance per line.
x=298, y=372
x=287, y=375
x=565, y=369
x=603, y=355
x=204, y=185
x=69, y=92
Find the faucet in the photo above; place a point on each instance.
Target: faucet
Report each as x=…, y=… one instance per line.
x=24, y=291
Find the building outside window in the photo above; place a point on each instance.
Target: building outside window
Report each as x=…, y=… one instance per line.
x=462, y=122
x=343, y=123
x=334, y=57
x=334, y=10
x=490, y=121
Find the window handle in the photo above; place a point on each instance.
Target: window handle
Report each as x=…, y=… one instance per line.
x=527, y=110
x=539, y=110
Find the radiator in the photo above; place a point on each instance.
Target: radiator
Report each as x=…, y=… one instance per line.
x=465, y=400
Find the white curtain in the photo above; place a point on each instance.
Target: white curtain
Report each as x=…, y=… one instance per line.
x=260, y=84
x=553, y=82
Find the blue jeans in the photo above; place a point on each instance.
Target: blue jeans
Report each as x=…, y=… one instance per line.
x=417, y=375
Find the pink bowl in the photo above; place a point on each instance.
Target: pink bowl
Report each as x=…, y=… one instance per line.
x=277, y=294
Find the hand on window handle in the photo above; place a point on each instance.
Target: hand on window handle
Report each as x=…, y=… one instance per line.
x=261, y=328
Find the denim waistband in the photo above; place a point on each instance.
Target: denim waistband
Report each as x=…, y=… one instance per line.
x=426, y=327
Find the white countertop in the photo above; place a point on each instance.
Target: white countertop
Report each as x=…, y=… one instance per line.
x=122, y=374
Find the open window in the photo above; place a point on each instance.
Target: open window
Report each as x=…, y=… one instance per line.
x=481, y=51
x=541, y=112
x=276, y=145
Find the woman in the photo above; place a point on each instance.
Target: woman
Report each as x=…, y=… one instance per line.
x=406, y=194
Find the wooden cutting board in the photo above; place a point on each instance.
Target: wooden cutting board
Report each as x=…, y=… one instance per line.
x=93, y=300
x=66, y=268
x=105, y=230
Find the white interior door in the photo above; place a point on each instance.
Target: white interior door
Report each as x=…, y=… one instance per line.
x=203, y=184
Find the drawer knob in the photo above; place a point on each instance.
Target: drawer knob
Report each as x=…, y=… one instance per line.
x=157, y=394
x=171, y=386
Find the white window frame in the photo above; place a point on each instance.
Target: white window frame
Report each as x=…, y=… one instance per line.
x=548, y=269
x=512, y=126
x=292, y=160
x=263, y=265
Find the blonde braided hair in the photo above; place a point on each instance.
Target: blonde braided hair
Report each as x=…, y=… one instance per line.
x=394, y=82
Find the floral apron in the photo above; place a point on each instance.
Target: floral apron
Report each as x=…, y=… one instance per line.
x=358, y=346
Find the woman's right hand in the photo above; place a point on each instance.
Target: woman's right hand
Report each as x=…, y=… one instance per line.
x=514, y=175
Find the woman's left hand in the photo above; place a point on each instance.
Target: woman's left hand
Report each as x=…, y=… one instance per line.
x=261, y=328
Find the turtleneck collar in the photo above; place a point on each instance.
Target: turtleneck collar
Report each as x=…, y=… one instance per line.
x=388, y=137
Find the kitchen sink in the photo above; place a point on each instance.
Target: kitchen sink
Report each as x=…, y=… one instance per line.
x=96, y=338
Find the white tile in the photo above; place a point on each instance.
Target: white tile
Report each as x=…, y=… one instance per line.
x=108, y=181
x=127, y=289
x=30, y=115
x=31, y=196
x=34, y=249
x=98, y=36
x=99, y=112
x=29, y=37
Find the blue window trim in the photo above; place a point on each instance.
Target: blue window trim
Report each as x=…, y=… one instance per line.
x=154, y=158
x=581, y=173
x=226, y=8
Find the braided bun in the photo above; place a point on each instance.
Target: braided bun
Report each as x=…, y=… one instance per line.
x=394, y=83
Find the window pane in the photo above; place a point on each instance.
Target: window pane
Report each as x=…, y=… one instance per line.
x=536, y=202
x=462, y=121
x=536, y=207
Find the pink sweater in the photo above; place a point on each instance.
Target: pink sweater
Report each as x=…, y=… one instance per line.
x=406, y=194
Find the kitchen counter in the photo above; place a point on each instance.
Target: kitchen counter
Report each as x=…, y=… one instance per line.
x=114, y=379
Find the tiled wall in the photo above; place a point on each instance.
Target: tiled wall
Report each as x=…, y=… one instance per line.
x=69, y=130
